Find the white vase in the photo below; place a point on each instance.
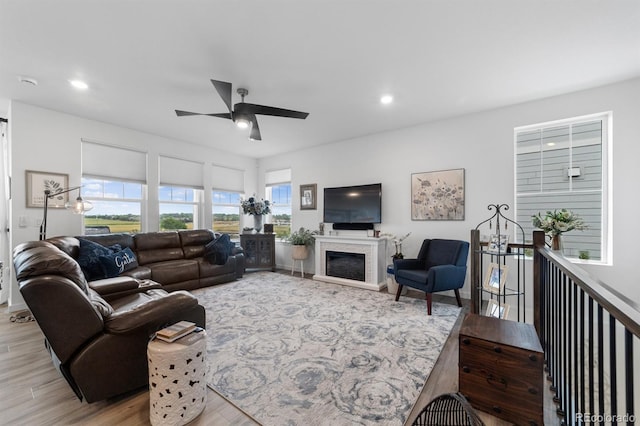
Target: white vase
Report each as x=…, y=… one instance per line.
x=392, y=286
x=257, y=222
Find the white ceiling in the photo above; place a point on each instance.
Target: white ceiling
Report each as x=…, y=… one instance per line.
x=331, y=58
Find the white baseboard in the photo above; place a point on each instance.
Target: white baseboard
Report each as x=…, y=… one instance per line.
x=18, y=307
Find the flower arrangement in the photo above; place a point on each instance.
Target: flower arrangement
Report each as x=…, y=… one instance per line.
x=558, y=222
x=255, y=207
x=398, y=243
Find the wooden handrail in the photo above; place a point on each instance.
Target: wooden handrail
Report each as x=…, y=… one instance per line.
x=624, y=310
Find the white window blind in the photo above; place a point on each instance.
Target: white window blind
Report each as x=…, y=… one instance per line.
x=178, y=172
x=106, y=161
x=228, y=179
x=277, y=176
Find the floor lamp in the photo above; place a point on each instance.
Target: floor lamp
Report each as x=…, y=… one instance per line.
x=79, y=206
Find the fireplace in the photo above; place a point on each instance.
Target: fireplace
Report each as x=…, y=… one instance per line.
x=350, y=266
x=351, y=260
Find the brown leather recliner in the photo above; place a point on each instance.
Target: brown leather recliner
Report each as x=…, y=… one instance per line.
x=98, y=346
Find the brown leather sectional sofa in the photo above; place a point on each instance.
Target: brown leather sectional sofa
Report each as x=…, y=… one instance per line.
x=97, y=331
x=173, y=259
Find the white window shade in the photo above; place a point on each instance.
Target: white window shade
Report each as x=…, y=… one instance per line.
x=106, y=161
x=178, y=172
x=228, y=179
x=277, y=176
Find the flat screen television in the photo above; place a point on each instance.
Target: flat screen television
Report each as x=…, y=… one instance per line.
x=353, y=207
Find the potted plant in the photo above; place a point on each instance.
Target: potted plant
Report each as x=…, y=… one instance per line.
x=300, y=241
x=555, y=223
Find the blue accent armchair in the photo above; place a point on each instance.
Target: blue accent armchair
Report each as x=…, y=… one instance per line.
x=441, y=265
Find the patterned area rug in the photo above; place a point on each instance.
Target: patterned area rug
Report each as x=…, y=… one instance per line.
x=289, y=351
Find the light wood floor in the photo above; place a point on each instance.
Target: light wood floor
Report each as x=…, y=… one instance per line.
x=33, y=392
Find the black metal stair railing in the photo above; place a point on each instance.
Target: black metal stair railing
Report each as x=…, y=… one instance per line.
x=590, y=334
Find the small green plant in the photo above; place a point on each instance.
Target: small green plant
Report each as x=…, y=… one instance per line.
x=302, y=237
x=172, y=223
x=584, y=255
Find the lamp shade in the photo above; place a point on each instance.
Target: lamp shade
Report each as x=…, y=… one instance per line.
x=79, y=206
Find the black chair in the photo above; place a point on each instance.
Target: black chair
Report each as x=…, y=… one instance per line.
x=441, y=265
x=449, y=409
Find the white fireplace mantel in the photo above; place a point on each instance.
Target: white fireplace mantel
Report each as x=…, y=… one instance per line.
x=374, y=250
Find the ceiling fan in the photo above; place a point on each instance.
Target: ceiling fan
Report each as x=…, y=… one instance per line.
x=244, y=114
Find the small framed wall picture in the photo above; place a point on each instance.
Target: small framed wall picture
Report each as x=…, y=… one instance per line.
x=308, y=196
x=498, y=243
x=38, y=182
x=497, y=310
x=496, y=278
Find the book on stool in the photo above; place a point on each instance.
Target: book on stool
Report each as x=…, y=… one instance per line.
x=174, y=332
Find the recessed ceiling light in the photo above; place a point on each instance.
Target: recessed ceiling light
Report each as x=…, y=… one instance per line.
x=79, y=84
x=386, y=99
x=551, y=144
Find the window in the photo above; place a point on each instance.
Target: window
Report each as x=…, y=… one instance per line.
x=226, y=212
x=563, y=164
x=278, y=191
x=280, y=197
x=116, y=205
x=179, y=207
x=114, y=180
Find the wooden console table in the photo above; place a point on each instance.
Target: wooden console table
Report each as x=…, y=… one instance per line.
x=259, y=250
x=501, y=368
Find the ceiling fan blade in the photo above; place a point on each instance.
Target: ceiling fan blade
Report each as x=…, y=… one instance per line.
x=268, y=110
x=180, y=113
x=255, y=130
x=224, y=90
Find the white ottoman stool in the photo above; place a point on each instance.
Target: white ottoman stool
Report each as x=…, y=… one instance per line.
x=177, y=379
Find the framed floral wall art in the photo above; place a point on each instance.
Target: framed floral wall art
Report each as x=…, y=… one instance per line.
x=38, y=182
x=437, y=195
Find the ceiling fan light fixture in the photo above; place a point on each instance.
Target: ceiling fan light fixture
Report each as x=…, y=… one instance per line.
x=242, y=113
x=242, y=123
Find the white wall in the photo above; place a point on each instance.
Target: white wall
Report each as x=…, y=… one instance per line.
x=46, y=140
x=482, y=144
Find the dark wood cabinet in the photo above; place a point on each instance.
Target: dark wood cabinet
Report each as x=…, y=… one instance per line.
x=259, y=250
x=501, y=368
